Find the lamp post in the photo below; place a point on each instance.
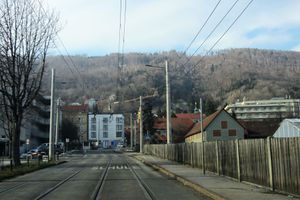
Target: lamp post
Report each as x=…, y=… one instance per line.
x=169, y=129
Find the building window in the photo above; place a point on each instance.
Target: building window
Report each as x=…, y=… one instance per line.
x=105, y=134
x=105, y=127
x=105, y=120
x=119, y=127
x=119, y=119
x=216, y=133
x=93, y=128
x=93, y=134
x=232, y=132
x=93, y=120
x=119, y=134
x=223, y=124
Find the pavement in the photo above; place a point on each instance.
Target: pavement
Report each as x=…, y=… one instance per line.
x=211, y=185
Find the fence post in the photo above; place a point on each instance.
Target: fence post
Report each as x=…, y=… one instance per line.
x=217, y=156
x=203, y=160
x=238, y=160
x=270, y=162
x=183, y=152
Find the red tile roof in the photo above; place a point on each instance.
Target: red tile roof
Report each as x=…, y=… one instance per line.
x=75, y=108
x=180, y=127
x=192, y=116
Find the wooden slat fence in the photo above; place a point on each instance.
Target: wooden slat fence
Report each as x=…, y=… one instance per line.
x=271, y=162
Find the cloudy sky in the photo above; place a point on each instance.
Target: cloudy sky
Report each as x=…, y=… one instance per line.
x=91, y=27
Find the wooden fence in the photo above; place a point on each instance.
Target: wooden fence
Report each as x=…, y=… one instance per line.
x=271, y=162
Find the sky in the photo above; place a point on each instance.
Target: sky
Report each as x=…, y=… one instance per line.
x=91, y=27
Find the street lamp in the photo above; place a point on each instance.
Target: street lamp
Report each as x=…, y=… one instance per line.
x=169, y=129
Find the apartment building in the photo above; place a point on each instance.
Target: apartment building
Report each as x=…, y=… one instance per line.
x=275, y=108
x=106, y=130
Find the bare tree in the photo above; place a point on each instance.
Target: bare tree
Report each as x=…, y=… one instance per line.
x=26, y=33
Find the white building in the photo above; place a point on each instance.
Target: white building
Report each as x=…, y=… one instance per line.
x=288, y=128
x=265, y=109
x=106, y=130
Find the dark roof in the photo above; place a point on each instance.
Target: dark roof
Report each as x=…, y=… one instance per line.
x=192, y=116
x=260, y=129
x=197, y=127
x=75, y=108
x=180, y=126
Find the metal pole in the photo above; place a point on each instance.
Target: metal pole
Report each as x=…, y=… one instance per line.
x=201, y=120
x=50, y=154
x=169, y=129
x=131, y=131
x=57, y=121
x=141, y=126
x=202, y=137
x=134, y=133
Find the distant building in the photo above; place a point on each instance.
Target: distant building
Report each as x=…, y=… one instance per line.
x=106, y=130
x=276, y=108
x=180, y=127
x=35, y=126
x=288, y=128
x=217, y=126
x=77, y=114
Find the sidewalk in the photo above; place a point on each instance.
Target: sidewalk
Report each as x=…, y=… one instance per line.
x=213, y=186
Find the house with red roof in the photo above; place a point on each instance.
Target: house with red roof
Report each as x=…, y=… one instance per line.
x=180, y=127
x=218, y=126
x=195, y=117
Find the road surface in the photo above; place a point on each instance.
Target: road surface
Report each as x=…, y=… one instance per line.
x=96, y=176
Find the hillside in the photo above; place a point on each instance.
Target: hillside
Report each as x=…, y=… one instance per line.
x=221, y=77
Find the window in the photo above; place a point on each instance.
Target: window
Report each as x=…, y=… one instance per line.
x=105, y=120
x=93, y=134
x=119, y=119
x=93, y=128
x=216, y=133
x=105, y=134
x=119, y=127
x=223, y=124
x=119, y=134
x=105, y=127
x=232, y=132
x=93, y=120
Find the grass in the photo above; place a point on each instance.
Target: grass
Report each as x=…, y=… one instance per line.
x=6, y=172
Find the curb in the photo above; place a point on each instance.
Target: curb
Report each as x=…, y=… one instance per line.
x=184, y=181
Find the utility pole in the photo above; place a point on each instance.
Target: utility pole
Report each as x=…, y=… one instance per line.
x=202, y=135
x=141, y=126
x=57, y=121
x=50, y=154
x=134, y=132
x=131, y=132
x=201, y=119
x=169, y=128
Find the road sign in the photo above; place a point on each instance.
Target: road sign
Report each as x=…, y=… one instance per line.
x=67, y=140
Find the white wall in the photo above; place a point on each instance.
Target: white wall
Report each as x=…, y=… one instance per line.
x=106, y=124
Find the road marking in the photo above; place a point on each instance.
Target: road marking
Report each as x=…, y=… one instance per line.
x=115, y=167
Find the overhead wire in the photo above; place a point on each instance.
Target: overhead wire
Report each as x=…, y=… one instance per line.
x=225, y=32
x=83, y=84
x=212, y=31
x=202, y=27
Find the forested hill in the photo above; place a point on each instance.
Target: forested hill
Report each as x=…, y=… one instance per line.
x=222, y=77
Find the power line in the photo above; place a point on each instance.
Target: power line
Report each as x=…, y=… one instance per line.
x=64, y=59
x=213, y=30
x=204, y=24
x=225, y=32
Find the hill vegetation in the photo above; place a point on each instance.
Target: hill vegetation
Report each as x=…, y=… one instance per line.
x=222, y=77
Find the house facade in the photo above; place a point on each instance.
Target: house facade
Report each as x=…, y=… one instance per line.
x=106, y=130
x=217, y=126
x=265, y=109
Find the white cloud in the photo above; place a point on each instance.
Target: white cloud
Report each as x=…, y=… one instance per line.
x=153, y=25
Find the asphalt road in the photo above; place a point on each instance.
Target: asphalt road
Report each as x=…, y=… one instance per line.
x=96, y=176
